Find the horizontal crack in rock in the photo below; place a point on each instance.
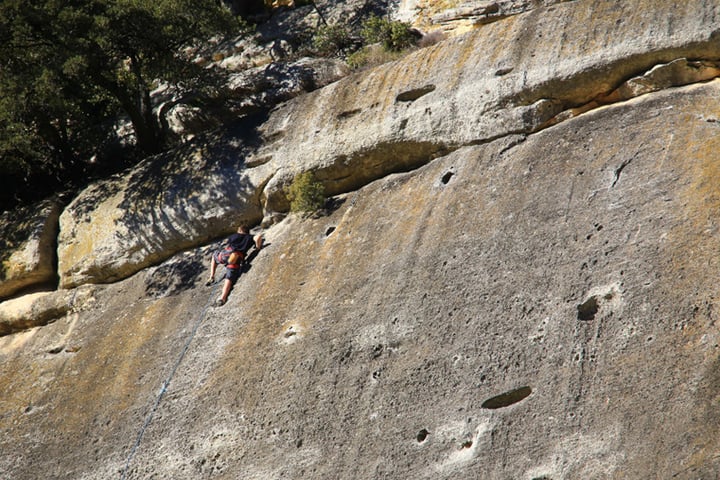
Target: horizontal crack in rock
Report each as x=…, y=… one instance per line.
x=677, y=73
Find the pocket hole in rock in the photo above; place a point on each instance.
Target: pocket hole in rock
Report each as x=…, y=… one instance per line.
x=329, y=231
x=348, y=113
x=446, y=178
x=508, y=398
x=412, y=95
x=588, y=309
x=422, y=435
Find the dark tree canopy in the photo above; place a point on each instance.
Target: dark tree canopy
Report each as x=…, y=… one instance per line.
x=69, y=68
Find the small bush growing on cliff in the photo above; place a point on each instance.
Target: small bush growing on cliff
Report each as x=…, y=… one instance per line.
x=384, y=40
x=394, y=36
x=379, y=41
x=332, y=40
x=306, y=193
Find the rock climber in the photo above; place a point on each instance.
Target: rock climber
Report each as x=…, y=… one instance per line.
x=233, y=256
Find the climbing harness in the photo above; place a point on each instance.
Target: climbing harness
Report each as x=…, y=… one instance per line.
x=166, y=383
x=229, y=257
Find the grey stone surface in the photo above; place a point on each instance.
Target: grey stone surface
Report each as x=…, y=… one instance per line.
x=271, y=84
x=534, y=298
x=167, y=204
x=508, y=77
x=41, y=308
x=27, y=247
x=460, y=16
x=394, y=118
x=541, y=306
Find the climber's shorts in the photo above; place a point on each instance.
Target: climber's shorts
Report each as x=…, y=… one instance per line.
x=233, y=274
x=224, y=257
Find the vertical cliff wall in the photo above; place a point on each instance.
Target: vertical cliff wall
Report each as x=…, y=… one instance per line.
x=512, y=77
x=536, y=305
x=531, y=308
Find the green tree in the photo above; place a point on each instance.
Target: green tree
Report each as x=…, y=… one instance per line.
x=67, y=67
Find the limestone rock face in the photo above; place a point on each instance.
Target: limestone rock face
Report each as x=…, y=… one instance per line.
x=268, y=85
x=463, y=91
x=250, y=90
x=460, y=16
x=261, y=69
x=27, y=247
x=539, y=306
x=517, y=276
x=510, y=77
x=166, y=204
x=39, y=309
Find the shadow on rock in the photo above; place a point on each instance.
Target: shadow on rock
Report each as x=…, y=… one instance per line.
x=176, y=275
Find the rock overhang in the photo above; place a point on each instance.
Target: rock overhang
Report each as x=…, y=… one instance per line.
x=467, y=90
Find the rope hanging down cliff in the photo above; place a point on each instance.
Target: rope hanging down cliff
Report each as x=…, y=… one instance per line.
x=167, y=381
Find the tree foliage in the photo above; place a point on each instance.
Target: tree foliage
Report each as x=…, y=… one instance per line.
x=377, y=40
x=69, y=67
x=332, y=40
x=393, y=35
x=306, y=193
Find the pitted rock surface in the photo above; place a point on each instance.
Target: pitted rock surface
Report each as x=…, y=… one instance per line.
x=511, y=77
x=516, y=276
x=393, y=118
x=537, y=308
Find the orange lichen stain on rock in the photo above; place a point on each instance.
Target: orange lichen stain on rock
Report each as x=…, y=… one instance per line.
x=105, y=376
x=267, y=306
x=123, y=352
x=87, y=236
x=391, y=80
x=466, y=55
x=14, y=382
x=427, y=9
x=695, y=242
x=365, y=95
x=310, y=269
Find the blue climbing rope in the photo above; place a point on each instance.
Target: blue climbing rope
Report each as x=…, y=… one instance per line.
x=166, y=383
